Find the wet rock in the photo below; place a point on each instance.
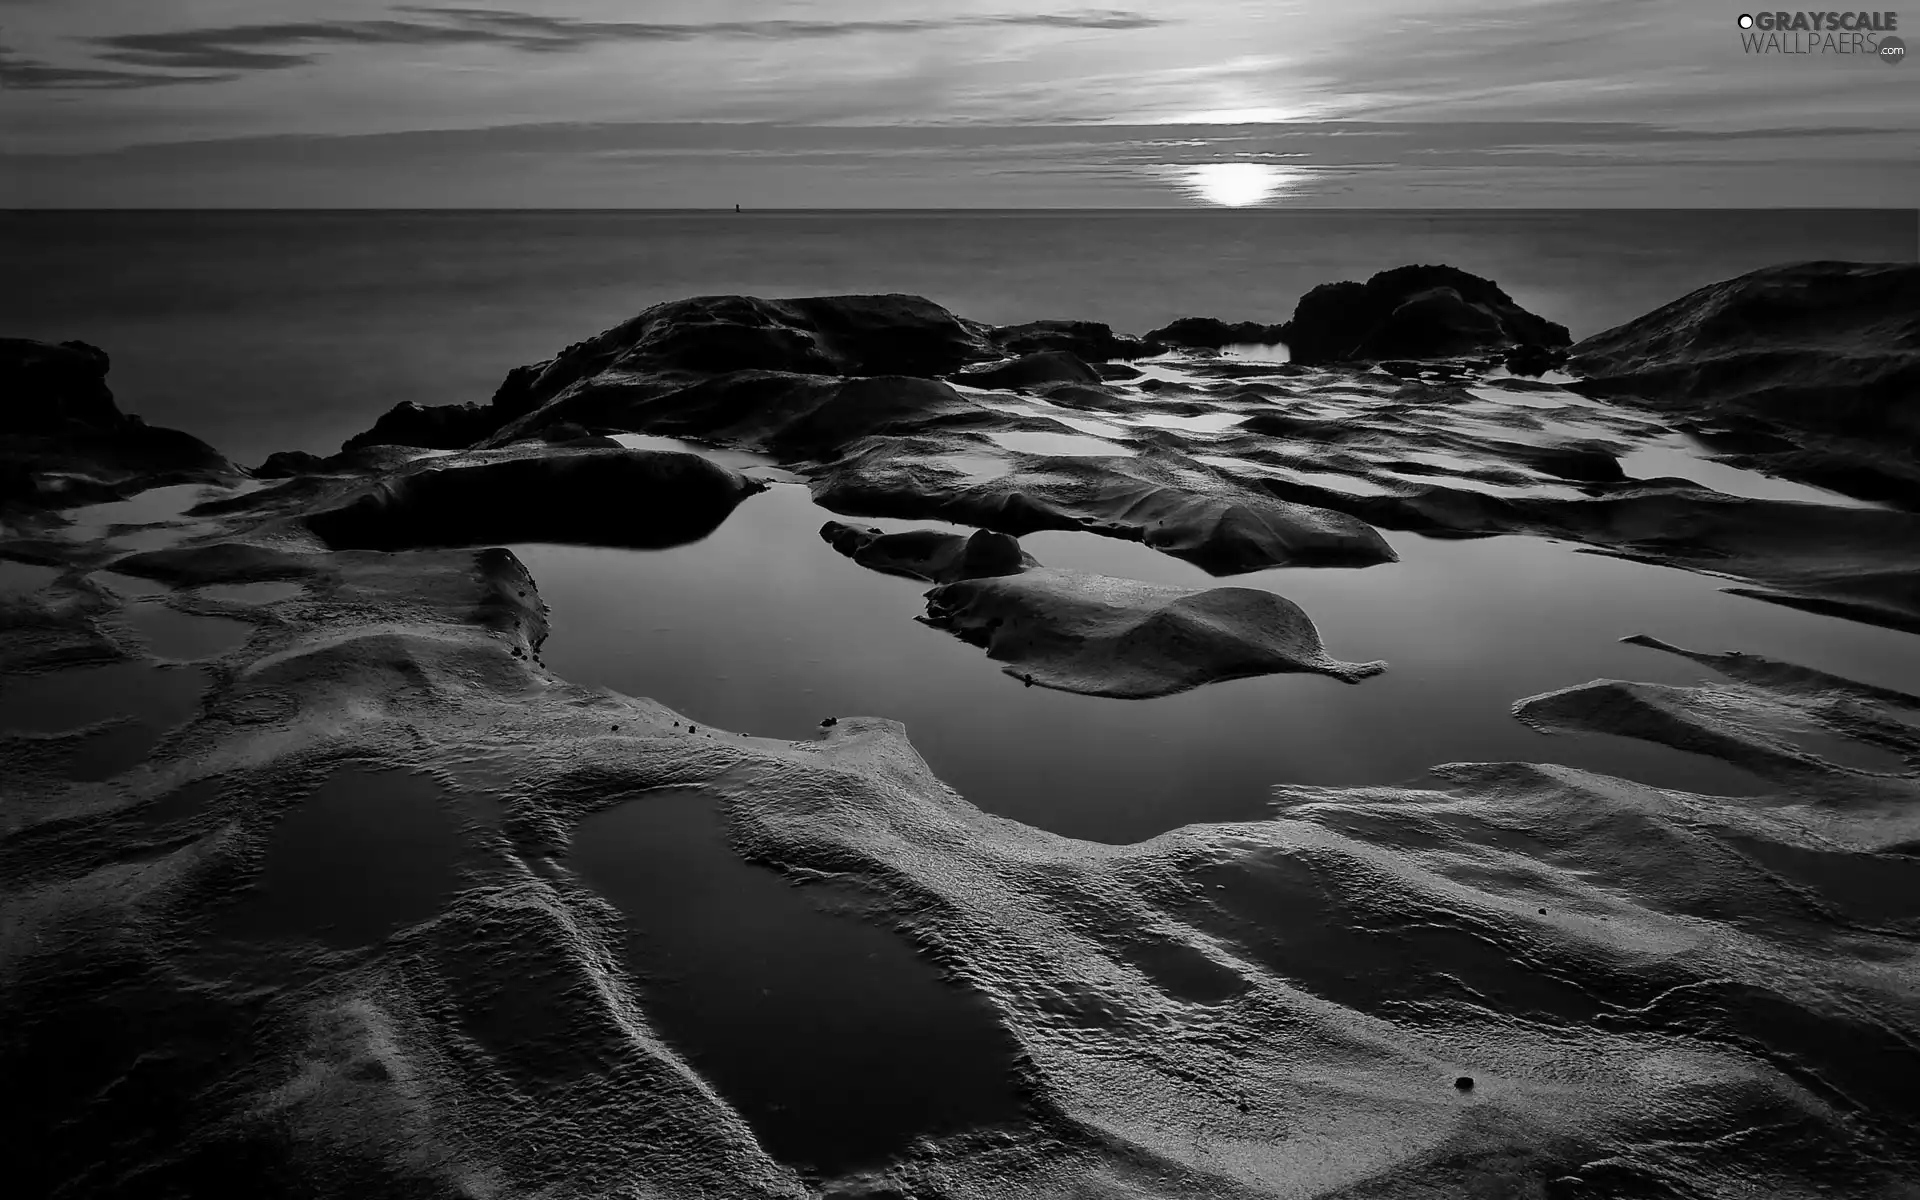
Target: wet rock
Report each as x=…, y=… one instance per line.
x=821, y=335
x=285, y=464
x=1031, y=370
x=1533, y=359
x=435, y=427
x=1211, y=333
x=1413, y=312
x=1582, y=463
x=64, y=441
x=784, y=413
x=1222, y=527
x=1821, y=347
x=637, y=498
x=932, y=555
x=1122, y=638
x=1092, y=341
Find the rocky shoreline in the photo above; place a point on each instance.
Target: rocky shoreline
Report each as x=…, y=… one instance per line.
x=1648, y=992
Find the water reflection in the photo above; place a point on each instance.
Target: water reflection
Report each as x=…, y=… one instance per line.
x=696, y=627
x=822, y=1030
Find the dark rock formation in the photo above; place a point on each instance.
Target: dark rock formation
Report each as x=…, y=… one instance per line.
x=1032, y=370
x=430, y=427
x=1822, y=347
x=1217, y=525
x=46, y=387
x=1211, y=333
x=1118, y=637
x=1093, y=634
x=63, y=440
x=1412, y=312
x=774, y=411
x=822, y=335
x=285, y=464
x=1532, y=358
x=1092, y=341
x=928, y=554
x=639, y=498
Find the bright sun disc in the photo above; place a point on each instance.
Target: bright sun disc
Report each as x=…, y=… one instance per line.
x=1235, y=184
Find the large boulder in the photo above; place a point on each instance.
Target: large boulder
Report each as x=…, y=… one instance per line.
x=1211, y=333
x=63, y=440
x=1119, y=637
x=1413, y=312
x=46, y=387
x=644, y=499
x=1831, y=347
x=1093, y=341
x=286, y=464
x=773, y=411
x=707, y=335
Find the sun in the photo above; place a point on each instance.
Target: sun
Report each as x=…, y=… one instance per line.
x=1236, y=184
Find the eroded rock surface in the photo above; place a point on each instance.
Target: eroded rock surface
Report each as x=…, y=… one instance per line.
x=1823, y=347
x=1809, y=370
x=822, y=335
x=1093, y=634
x=1190, y=513
x=1118, y=637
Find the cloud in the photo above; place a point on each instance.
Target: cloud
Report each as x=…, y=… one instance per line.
x=289, y=44
x=31, y=74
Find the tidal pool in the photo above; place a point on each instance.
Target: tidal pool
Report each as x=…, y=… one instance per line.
x=1680, y=457
x=271, y=592
x=20, y=578
x=1467, y=628
x=368, y=853
x=821, y=1029
x=143, y=700
x=184, y=637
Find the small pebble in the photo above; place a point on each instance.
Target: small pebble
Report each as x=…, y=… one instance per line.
x=830, y=721
x=1464, y=1083
x=616, y=729
x=1543, y=912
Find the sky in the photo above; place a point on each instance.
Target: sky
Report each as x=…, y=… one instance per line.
x=966, y=103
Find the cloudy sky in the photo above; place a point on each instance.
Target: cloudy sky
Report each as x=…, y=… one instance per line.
x=997, y=103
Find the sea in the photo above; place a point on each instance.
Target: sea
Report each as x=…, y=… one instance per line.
x=286, y=330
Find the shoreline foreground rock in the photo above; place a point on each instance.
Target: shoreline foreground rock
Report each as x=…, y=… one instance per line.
x=1651, y=992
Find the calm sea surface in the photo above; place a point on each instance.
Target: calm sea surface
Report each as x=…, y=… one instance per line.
x=292, y=330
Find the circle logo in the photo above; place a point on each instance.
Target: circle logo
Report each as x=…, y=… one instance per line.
x=1746, y=20
x=1892, y=50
